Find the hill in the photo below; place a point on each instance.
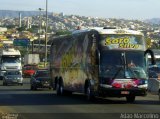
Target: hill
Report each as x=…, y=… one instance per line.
x=153, y=21
x=14, y=14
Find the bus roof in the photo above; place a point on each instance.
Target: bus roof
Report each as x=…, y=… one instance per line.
x=105, y=30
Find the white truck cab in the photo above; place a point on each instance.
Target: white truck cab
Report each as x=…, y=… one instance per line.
x=10, y=60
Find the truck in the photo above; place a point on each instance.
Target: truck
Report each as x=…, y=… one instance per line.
x=10, y=59
x=31, y=59
x=31, y=62
x=101, y=62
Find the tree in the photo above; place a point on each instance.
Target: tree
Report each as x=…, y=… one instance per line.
x=63, y=32
x=20, y=29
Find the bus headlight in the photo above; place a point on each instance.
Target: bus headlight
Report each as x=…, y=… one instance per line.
x=105, y=86
x=145, y=86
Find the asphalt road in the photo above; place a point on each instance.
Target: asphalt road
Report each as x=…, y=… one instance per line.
x=21, y=102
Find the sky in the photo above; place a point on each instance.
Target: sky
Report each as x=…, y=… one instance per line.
x=127, y=9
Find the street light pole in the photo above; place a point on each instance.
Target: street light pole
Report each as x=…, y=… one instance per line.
x=40, y=27
x=45, y=61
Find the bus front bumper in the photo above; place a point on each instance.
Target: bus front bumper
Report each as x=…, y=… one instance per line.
x=121, y=92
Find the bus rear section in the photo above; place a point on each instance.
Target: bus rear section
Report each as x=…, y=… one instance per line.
x=100, y=62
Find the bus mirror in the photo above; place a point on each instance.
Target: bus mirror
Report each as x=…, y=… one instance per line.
x=148, y=51
x=97, y=57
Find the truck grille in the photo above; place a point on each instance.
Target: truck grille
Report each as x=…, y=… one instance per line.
x=11, y=67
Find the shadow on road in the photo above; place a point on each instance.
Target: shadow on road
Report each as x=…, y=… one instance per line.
x=38, y=99
x=53, y=99
x=26, y=89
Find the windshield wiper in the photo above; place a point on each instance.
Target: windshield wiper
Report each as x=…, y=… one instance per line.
x=132, y=72
x=124, y=67
x=123, y=62
x=117, y=72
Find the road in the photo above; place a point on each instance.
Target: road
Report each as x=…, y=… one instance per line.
x=22, y=101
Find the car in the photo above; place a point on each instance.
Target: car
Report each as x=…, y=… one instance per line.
x=29, y=70
x=155, y=69
x=40, y=79
x=154, y=80
x=152, y=74
x=12, y=77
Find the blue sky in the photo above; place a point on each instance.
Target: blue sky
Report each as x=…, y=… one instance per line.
x=129, y=9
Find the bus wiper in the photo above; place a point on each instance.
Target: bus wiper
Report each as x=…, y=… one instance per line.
x=132, y=72
x=123, y=62
x=126, y=68
x=117, y=72
x=123, y=58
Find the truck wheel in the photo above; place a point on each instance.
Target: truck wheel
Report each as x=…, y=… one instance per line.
x=21, y=84
x=4, y=84
x=1, y=77
x=49, y=88
x=34, y=88
x=31, y=87
x=130, y=99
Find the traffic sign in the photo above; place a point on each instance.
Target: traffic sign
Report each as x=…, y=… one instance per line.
x=21, y=42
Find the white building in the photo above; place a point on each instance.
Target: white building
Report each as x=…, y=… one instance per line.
x=2, y=29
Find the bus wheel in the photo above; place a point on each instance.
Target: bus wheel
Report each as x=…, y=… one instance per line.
x=89, y=94
x=59, y=88
x=130, y=99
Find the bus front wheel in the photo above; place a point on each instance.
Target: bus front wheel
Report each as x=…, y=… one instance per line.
x=89, y=93
x=130, y=99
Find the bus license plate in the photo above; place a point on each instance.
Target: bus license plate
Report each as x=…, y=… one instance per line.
x=125, y=92
x=46, y=84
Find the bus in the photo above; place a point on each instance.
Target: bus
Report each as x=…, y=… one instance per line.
x=100, y=62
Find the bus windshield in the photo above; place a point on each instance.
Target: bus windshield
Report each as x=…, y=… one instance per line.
x=122, y=64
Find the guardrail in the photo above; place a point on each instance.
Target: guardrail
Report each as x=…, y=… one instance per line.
x=153, y=85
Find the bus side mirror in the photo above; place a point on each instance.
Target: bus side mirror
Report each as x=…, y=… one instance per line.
x=148, y=51
x=97, y=57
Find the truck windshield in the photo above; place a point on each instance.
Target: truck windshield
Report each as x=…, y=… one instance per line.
x=42, y=74
x=11, y=60
x=122, y=64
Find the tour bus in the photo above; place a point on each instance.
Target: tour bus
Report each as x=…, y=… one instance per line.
x=100, y=62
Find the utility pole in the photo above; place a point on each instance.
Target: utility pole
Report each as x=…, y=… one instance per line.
x=20, y=20
x=45, y=62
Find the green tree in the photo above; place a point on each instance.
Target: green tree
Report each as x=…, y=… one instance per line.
x=20, y=29
x=63, y=32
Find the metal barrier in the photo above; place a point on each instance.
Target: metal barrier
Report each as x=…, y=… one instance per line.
x=153, y=85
